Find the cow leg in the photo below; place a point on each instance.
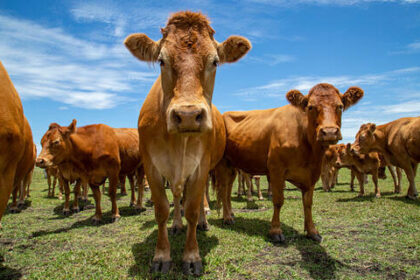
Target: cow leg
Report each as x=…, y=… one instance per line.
x=133, y=190
x=375, y=182
x=399, y=177
x=85, y=192
x=325, y=175
x=202, y=220
x=6, y=187
x=50, y=194
x=361, y=178
x=248, y=182
x=352, y=181
x=411, y=174
x=334, y=178
x=13, y=207
x=177, y=220
x=240, y=185
x=229, y=195
x=60, y=188
x=122, y=185
x=207, y=199
x=112, y=191
x=66, y=209
x=54, y=182
x=277, y=184
x=257, y=182
x=76, y=191
x=269, y=192
x=225, y=176
x=394, y=178
x=307, y=196
x=97, y=196
x=193, y=198
x=140, y=190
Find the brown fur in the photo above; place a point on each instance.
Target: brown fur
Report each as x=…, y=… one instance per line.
x=182, y=135
x=398, y=141
x=87, y=154
x=285, y=144
x=16, y=144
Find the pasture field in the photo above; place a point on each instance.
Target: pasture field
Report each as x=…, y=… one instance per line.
x=364, y=238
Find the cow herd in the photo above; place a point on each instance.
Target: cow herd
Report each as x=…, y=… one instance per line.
x=182, y=138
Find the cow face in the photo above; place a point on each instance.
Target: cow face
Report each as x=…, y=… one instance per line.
x=324, y=106
x=188, y=56
x=331, y=154
x=55, y=145
x=344, y=156
x=365, y=139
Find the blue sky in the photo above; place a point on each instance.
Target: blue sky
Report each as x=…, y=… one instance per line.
x=67, y=58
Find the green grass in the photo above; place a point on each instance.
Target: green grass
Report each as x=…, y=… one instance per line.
x=364, y=238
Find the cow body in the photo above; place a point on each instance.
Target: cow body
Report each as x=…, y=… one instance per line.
x=398, y=141
x=286, y=144
x=88, y=154
x=16, y=143
x=182, y=135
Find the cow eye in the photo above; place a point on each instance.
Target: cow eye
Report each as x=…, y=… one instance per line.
x=311, y=108
x=56, y=142
x=161, y=62
x=340, y=108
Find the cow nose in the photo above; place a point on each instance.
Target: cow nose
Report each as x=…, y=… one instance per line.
x=40, y=162
x=188, y=118
x=330, y=134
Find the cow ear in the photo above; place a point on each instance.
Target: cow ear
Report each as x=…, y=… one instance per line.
x=142, y=47
x=233, y=48
x=53, y=125
x=348, y=148
x=297, y=99
x=351, y=96
x=72, y=127
x=372, y=127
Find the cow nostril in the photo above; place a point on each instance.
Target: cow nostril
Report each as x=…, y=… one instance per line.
x=199, y=117
x=177, y=119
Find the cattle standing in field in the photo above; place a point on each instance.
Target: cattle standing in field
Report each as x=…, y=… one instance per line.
x=360, y=165
x=182, y=135
x=16, y=144
x=286, y=144
x=87, y=154
x=398, y=141
x=329, y=170
x=128, y=142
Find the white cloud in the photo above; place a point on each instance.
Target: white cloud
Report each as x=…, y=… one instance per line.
x=272, y=59
x=330, y=2
x=46, y=62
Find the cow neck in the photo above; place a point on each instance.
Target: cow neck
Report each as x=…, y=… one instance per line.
x=380, y=139
x=74, y=156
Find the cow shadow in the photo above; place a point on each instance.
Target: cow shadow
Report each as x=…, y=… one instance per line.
x=8, y=272
x=143, y=253
x=405, y=200
x=364, y=198
x=79, y=224
x=314, y=258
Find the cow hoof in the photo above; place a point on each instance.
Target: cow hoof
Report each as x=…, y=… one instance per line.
x=207, y=212
x=378, y=196
x=411, y=197
x=203, y=227
x=115, y=219
x=160, y=267
x=140, y=209
x=76, y=210
x=228, y=222
x=315, y=237
x=96, y=222
x=192, y=268
x=278, y=238
x=176, y=230
x=66, y=212
x=131, y=204
x=261, y=198
x=123, y=194
x=14, y=210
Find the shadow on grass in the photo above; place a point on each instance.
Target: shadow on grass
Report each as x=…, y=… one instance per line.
x=8, y=272
x=26, y=205
x=370, y=197
x=405, y=200
x=315, y=259
x=143, y=254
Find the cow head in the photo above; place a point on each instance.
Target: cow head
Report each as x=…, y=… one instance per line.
x=324, y=105
x=365, y=139
x=55, y=145
x=344, y=156
x=188, y=56
x=331, y=154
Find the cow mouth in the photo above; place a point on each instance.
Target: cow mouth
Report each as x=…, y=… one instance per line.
x=328, y=142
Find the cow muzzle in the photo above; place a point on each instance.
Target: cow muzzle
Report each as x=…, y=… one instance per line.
x=188, y=119
x=329, y=135
x=42, y=162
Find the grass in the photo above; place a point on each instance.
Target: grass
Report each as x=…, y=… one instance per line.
x=364, y=238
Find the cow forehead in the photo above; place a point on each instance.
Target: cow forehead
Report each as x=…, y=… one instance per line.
x=329, y=96
x=50, y=135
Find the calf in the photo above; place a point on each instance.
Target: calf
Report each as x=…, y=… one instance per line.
x=287, y=144
x=360, y=165
x=329, y=169
x=398, y=141
x=182, y=135
x=86, y=154
x=53, y=172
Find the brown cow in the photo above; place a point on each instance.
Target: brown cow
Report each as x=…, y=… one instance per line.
x=182, y=135
x=128, y=142
x=53, y=172
x=360, y=165
x=329, y=170
x=86, y=154
x=246, y=179
x=16, y=144
x=398, y=141
x=287, y=144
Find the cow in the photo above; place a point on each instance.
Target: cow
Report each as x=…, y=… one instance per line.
x=52, y=172
x=360, y=165
x=87, y=154
x=246, y=179
x=131, y=166
x=398, y=141
x=287, y=144
x=182, y=135
x=329, y=170
x=16, y=143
